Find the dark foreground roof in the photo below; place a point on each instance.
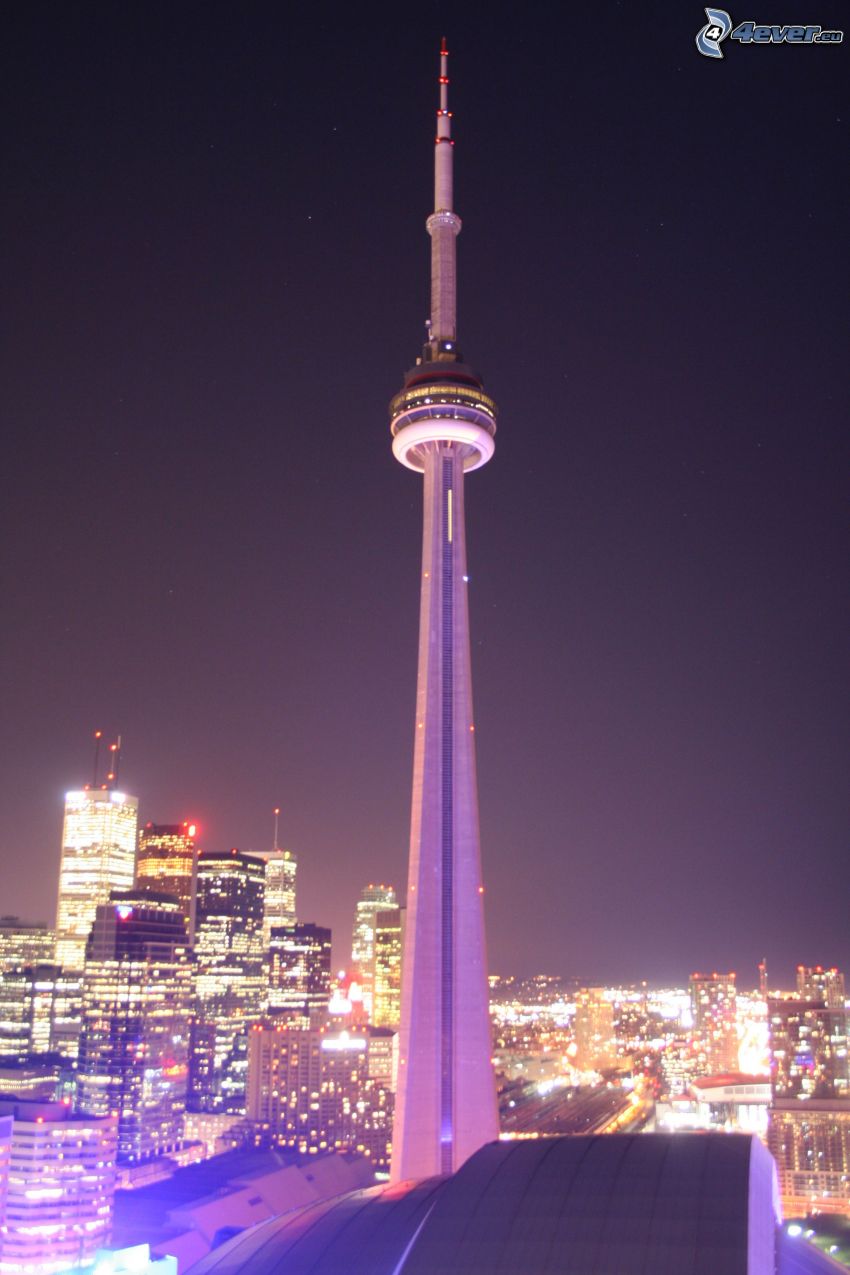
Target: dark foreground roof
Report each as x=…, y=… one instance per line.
x=678, y=1204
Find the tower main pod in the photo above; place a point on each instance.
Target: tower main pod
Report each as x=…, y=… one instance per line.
x=442, y=425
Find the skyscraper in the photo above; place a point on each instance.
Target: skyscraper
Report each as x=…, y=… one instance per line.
x=230, y=985
x=299, y=961
x=373, y=899
x=279, y=905
x=98, y=856
x=714, y=1005
x=166, y=861
x=389, y=949
x=442, y=424
x=596, y=1047
x=814, y=983
x=134, y=1045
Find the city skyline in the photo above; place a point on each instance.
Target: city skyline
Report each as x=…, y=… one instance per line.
x=207, y=305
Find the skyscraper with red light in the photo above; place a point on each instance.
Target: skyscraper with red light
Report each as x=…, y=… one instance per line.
x=442, y=425
x=166, y=861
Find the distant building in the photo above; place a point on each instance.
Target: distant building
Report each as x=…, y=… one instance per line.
x=593, y=1028
x=135, y=1040
x=374, y=899
x=808, y=1049
x=24, y=943
x=40, y=1011
x=98, y=856
x=279, y=905
x=713, y=1003
x=810, y=1141
x=61, y=1187
x=230, y=981
x=166, y=861
x=316, y=1089
x=814, y=983
x=299, y=963
x=389, y=953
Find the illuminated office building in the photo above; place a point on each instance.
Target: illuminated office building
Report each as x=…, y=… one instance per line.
x=299, y=964
x=374, y=899
x=230, y=978
x=714, y=1007
x=317, y=1089
x=808, y=1049
x=24, y=943
x=279, y=906
x=98, y=856
x=40, y=1011
x=810, y=1141
x=593, y=1028
x=166, y=861
x=61, y=1187
x=389, y=950
x=814, y=983
x=137, y=991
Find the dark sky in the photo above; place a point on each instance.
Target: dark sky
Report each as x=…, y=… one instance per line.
x=215, y=272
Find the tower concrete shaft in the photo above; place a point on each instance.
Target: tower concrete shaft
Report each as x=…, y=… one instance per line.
x=443, y=425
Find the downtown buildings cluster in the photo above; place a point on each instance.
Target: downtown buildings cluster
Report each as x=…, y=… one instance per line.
x=178, y=1008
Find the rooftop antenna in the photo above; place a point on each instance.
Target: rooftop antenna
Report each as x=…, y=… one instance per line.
x=276, y=819
x=98, y=736
x=114, y=761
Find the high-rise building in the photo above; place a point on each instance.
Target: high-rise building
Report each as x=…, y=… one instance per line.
x=810, y=1141
x=808, y=1049
x=442, y=425
x=137, y=989
x=714, y=1007
x=596, y=1047
x=814, y=983
x=299, y=964
x=98, y=856
x=166, y=861
x=40, y=1011
x=279, y=905
x=230, y=981
x=373, y=899
x=389, y=950
x=24, y=943
x=317, y=1089
x=61, y=1187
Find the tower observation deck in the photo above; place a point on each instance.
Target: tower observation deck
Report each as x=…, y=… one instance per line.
x=442, y=425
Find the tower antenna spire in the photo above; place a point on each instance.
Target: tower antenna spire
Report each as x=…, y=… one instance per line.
x=443, y=227
x=276, y=818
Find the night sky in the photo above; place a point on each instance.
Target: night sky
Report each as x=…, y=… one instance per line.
x=216, y=272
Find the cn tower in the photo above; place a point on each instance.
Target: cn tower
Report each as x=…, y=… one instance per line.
x=442, y=425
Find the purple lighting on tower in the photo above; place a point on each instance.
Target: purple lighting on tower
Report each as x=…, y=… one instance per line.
x=443, y=424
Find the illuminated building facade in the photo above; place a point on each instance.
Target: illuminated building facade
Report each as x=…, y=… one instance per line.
x=814, y=983
x=316, y=1089
x=593, y=1028
x=810, y=1141
x=808, y=1049
x=134, y=1046
x=166, y=862
x=61, y=1187
x=279, y=906
x=374, y=899
x=714, y=1008
x=24, y=943
x=98, y=856
x=40, y=1011
x=389, y=951
x=299, y=969
x=442, y=424
x=230, y=981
